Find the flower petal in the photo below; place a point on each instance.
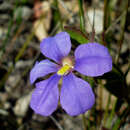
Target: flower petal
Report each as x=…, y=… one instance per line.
x=41, y=69
x=45, y=97
x=56, y=47
x=92, y=59
x=76, y=95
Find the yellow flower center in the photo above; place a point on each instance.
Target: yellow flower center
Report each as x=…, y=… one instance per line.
x=63, y=70
x=67, y=65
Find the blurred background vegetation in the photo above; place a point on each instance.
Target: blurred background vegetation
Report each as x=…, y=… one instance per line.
x=24, y=23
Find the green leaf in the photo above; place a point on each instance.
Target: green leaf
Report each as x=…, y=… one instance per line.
x=77, y=35
x=115, y=83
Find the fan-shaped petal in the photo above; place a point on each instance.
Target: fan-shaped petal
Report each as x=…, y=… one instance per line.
x=45, y=97
x=41, y=69
x=92, y=59
x=76, y=95
x=56, y=47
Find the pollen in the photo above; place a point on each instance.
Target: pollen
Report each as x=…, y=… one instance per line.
x=63, y=70
x=67, y=65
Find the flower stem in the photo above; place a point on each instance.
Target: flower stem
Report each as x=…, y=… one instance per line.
x=106, y=15
x=106, y=110
x=123, y=23
x=81, y=14
x=59, y=15
x=93, y=28
x=111, y=116
x=84, y=121
x=105, y=20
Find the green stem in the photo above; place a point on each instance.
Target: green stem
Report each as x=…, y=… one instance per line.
x=24, y=46
x=59, y=15
x=108, y=125
x=105, y=20
x=107, y=107
x=5, y=77
x=84, y=121
x=81, y=14
x=93, y=28
x=116, y=125
x=18, y=56
x=123, y=23
x=5, y=41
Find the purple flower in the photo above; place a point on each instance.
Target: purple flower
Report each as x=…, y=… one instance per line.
x=76, y=95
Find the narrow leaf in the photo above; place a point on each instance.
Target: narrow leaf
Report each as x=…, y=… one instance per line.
x=77, y=35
